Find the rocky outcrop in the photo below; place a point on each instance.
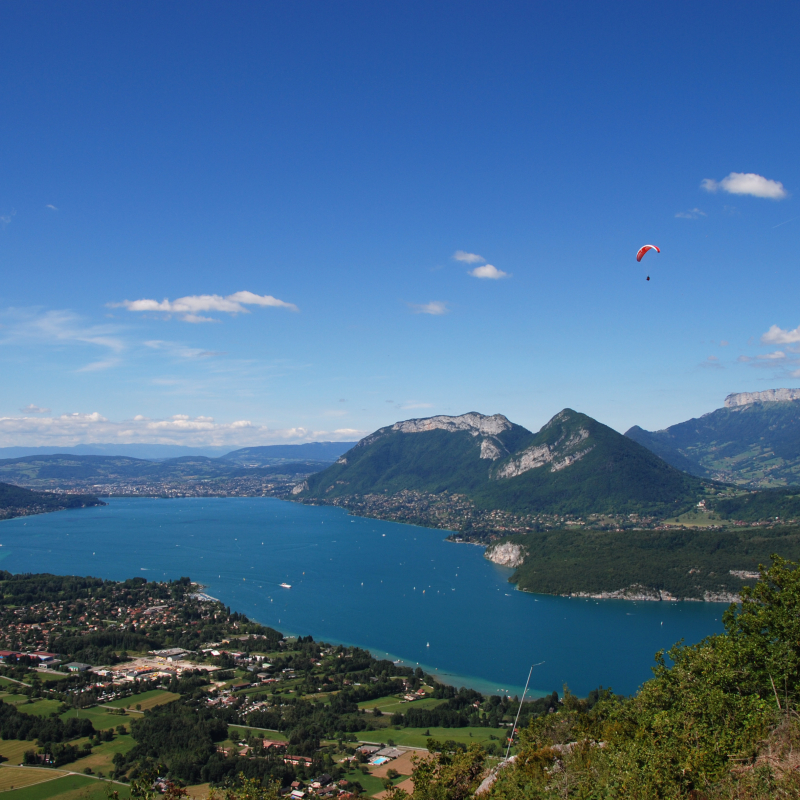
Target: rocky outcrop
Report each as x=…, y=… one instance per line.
x=299, y=487
x=558, y=455
x=769, y=396
x=505, y=554
x=476, y=424
x=491, y=449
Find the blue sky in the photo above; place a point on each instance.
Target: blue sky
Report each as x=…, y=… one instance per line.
x=236, y=223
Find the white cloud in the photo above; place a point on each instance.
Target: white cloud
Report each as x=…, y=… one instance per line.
x=744, y=359
x=435, y=307
x=488, y=271
x=776, y=335
x=692, y=213
x=189, y=308
x=97, y=366
x=51, y=207
x=747, y=183
x=78, y=428
x=408, y=406
x=182, y=351
x=468, y=258
x=724, y=343
x=778, y=354
x=32, y=409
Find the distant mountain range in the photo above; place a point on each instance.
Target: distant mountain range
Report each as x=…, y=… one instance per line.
x=573, y=465
x=70, y=471
x=754, y=440
x=268, y=454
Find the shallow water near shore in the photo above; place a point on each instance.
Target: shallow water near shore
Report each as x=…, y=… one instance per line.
x=395, y=589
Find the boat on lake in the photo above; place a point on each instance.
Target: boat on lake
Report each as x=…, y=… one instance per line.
x=286, y=585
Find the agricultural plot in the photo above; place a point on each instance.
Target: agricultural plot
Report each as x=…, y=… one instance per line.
x=418, y=737
x=19, y=777
x=14, y=749
x=101, y=718
x=145, y=700
x=101, y=759
x=68, y=787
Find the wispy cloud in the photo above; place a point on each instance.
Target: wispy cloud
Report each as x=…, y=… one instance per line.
x=747, y=183
x=52, y=207
x=87, y=428
x=435, y=307
x=488, y=271
x=409, y=406
x=468, y=258
x=744, y=359
x=32, y=409
x=56, y=327
x=692, y=213
x=776, y=356
x=179, y=350
x=5, y=219
x=191, y=307
x=776, y=335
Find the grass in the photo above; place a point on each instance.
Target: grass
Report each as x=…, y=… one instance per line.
x=8, y=682
x=416, y=737
x=101, y=718
x=371, y=784
x=18, y=777
x=40, y=708
x=52, y=677
x=69, y=787
x=151, y=699
x=14, y=749
x=389, y=705
x=101, y=759
x=274, y=735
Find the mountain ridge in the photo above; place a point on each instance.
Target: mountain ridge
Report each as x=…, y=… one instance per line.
x=573, y=465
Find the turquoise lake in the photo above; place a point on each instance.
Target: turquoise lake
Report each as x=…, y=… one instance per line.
x=394, y=589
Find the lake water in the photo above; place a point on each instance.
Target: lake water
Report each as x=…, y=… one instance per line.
x=394, y=589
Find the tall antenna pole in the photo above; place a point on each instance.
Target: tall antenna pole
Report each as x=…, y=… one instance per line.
x=519, y=710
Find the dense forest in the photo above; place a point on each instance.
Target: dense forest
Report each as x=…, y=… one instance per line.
x=683, y=563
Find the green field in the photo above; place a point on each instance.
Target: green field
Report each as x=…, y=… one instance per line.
x=41, y=708
x=371, y=784
x=389, y=705
x=101, y=718
x=416, y=737
x=274, y=735
x=70, y=787
x=155, y=697
x=101, y=759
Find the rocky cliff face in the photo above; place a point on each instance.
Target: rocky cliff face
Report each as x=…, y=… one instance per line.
x=769, y=396
x=505, y=554
x=476, y=424
x=561, y=454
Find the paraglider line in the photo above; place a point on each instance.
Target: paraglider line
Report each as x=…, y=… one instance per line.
x=519, y=710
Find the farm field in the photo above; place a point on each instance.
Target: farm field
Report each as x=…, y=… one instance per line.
x=390, y=705
x=68, y=787
x=145, y=700
x=19, y=777
x=418, y=737
x=101, y=718
x=14, y=749
x=101, y=759
x=41, y=708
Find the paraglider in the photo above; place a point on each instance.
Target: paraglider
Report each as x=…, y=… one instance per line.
x=643, y=250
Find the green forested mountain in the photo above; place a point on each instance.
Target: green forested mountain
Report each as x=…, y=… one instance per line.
x=15, y=501
x=684, y=564
x=754, y=444
x=574, y=465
